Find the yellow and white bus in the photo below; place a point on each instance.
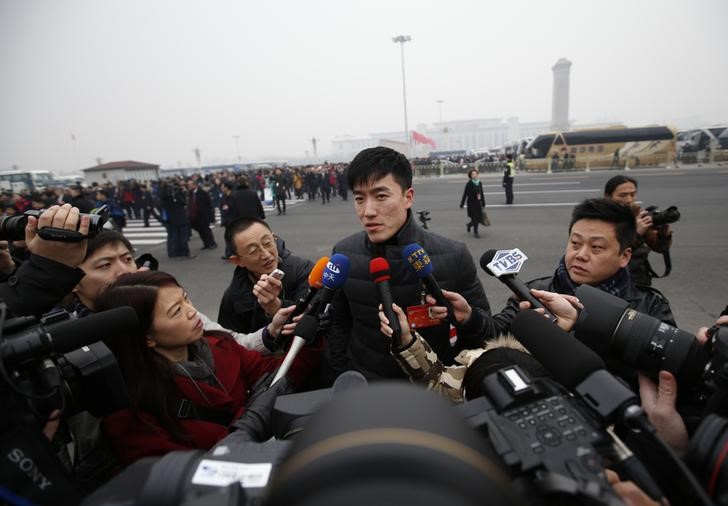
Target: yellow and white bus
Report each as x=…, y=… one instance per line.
x=604, y=147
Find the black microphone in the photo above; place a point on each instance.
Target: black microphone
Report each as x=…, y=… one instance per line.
x=379, y=269
x=419, y=261
x=315, y=283
x=577, y=368
x=504, y=265
x=305, y=333
x=68, y=335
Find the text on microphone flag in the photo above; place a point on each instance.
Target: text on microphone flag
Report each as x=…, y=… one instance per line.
x=507, y=261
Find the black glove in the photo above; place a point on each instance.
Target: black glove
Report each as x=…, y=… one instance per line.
x=273, y=344
x=255, y=421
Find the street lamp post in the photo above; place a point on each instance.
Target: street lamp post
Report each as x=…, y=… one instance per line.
x=401, y=39
x=237, y=146
x=439, y=103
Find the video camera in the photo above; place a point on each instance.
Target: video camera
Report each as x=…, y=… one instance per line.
x=660, y=218
x=55, y=363
x=424, y=217
x=12, y=228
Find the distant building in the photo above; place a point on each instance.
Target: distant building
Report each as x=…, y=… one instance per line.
x=121, y=171
x=474, y=134
x=560, y=100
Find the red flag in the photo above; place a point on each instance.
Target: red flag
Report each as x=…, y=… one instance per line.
x=422, y=139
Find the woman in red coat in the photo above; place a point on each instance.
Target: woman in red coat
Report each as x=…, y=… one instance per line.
x=186, y=388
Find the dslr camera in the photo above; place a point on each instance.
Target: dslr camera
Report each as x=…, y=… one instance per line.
x=660, y=218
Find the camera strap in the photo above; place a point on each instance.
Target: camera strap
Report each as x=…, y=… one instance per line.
x=186, y=410
x=664, y=241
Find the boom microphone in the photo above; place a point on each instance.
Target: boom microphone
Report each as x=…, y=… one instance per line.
x=418, y=260
x=504, y=265
x=69, y=335
x=305, y=333
x=379, y=269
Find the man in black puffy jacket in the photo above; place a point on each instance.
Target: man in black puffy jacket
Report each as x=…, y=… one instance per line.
x=381, y=181
x=254, y=296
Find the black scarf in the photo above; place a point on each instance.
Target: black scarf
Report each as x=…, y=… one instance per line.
x=618, y=285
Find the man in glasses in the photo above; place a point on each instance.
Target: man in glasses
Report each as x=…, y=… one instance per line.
x=254, y=296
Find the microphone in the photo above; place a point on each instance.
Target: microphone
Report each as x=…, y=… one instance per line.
x=333, y=278
x=585, y=372
x=68, y=335
x=504, y=265
x=305, y=333
x=379, y=269
x=418, y=260
x=315, y=283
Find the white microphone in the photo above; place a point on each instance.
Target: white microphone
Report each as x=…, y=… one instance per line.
x=305, y=333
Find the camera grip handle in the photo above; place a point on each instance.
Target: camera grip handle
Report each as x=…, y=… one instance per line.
x=61, y=234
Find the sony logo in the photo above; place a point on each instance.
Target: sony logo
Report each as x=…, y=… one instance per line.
x=27, y=465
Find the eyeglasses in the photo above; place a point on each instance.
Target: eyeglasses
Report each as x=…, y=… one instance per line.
x=267, y=243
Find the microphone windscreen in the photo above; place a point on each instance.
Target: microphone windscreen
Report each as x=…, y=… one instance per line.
x=316, y=275
x=349, y=380
x=336, y=272
x=487, y=258
x=72, y=334
x=568, y=360
x=306, y=328
x=379, y=269
x=417, y=259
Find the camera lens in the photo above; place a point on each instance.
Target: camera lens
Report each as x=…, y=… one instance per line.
x=12, y=228
x=608, y=326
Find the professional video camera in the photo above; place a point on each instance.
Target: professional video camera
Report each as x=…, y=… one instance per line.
x=424, y=217
x=56, y=363
x=12, y=228
x=660, y=218
x=611, y=328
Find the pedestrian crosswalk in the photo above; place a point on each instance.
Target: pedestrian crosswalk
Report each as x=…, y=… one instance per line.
x=156, y=233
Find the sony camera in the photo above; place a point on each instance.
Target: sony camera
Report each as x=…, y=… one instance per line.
x=12, y=228
x=56, y=363
x=660, y=218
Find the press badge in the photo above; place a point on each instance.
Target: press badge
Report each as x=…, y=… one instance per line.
x=420, y=317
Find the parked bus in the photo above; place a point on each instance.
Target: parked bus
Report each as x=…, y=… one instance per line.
x=602, y=147
x=28, y=180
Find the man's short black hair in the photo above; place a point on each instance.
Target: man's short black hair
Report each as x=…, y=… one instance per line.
x=104, y=238
x=373, y=164
x=241, y=225
x=616, y=181
x=611, y=212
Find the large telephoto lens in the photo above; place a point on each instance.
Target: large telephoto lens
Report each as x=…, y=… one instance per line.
x=608, y=326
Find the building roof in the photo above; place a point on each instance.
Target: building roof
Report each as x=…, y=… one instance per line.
x=128, y=164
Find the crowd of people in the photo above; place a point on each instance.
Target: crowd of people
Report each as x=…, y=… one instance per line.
x=192, y=379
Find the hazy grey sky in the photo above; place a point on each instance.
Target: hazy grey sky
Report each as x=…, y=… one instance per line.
x=152, y=80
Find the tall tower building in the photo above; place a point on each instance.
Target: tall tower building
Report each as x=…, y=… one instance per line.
x=560, y=101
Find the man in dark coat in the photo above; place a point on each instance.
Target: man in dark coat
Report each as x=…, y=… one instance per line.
x=174, y=211
x=79, y=199
x=381, y=181
x=473, y=194
x=241, y=203
x=199, y=208
x=597, y=253
x=254, y=296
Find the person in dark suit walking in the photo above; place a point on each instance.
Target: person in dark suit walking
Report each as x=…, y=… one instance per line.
x=201, y=213
x=473, y=194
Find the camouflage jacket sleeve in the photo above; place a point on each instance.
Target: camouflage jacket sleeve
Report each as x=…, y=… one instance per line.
x=422, y=366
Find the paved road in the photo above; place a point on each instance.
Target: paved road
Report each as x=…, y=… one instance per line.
x=537, y=224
